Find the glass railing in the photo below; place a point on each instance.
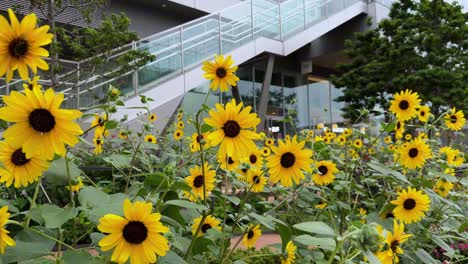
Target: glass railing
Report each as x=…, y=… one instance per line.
x=184, y=47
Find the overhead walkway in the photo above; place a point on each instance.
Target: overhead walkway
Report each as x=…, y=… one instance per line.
x=244, y=31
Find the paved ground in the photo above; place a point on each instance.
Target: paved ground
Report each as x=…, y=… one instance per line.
x=264, y=240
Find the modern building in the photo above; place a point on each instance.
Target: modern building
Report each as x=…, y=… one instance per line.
x=295, y=43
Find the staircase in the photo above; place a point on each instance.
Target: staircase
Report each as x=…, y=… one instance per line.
x=244, y=31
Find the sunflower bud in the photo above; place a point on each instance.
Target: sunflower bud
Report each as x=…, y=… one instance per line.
x=369, y=238
x=170, y=169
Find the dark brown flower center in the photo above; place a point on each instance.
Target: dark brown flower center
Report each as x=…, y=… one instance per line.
x=423, y=113
x=30, y=86
x=135, y=232
x=398, y=125
x=394, y=245
x=389, y=215
x=42, y=120
x=19, y=158
x=198, y=181
x=256, y=179
x=205, y=227
x=288, y=159
x=150, y=139
x=413, y=152
x=250, y=234
x=221, y=72
x=403, y=105
x=244, y=170
x=199, y=138
x=253, y=159
x=231, y=128
x=409, y=204
x=453, y=119
x=98, y=142
x=18, y=48
x=323, y=169
x=230, y=160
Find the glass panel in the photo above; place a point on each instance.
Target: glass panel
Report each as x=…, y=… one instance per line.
x=333, y=6
x=236, y=26
x=319, y=103
x=315, y=11
x=292, y=17
x=266, y=19
x=245, y=86
x=201, y=40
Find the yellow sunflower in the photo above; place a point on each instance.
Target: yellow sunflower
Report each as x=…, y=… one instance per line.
x=254, y=158
x=321, y=205
x=250, y=238
x=357, y=143
x=227, y=162
x=393, y=242
x=20, y=46
x=326, y=172
x=180, y=124
x=152, y=117
x=234, y=129
x=220, y=73
x=138, y=235
x=266, y=152
x=256, y=179
x=443, y=187
x=423, y=113
x=318, y=138
x=123, y=135
x=310, y=133
x=20, y=170
x=99, y=123
x=289, y=161
x=347, y=132
x=32, y=84
x=340, y=140
x=408, y=136
x=150, y=138
x=269, y=142
x=388, y=140
x=404, y=105
x=76, y=186
x=210, y=222
x=98, y=143
x=179, y=116
x=5, y=239
x=178, y=134
x=289, y=256
x=41, y=127
x=198, y=182
x=411, y=205
x=414, y=154
x=399, y=129
x=199, y=139
x=455, y=120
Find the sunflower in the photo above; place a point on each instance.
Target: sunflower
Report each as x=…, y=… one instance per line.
x=41, y=127
x=179, y=116
x=254, y=158
x=393, y=242
x=326, y=140
x=340, y=140
x=150, y=138
x=326, y=172
x=399, y=129
x=408, y=136
x=266, y=151
x=137, y=235
x=321, y=205
x=233, y=132
x=198, y=182
x=113, y=92
x=98, y=143
x=197, y=140
x=32, y=84
x=410, y=205
x=289, y=160
x=423, y=113
x=256, y=179
x=20, y=46
x=357, y=143
x=251, y=236
x=220, y=73
x=99, y=123
x=404, y=105
x=388, y=140
x=443, y=187
x=5, y=239
x=210, y=222
x=123, y=135
x=455, y=120
x=178, y=134
x=414, y=153
x=180, y=125
x=242, y=171
x=310, y=133
x=76, y=186
x=347, y=132
x=289, y=256
x=318, y=138
x=269, y=142
x=20, y=170
x=152, y=117
x=228, y=163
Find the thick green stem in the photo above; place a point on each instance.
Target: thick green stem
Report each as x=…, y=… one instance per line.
x=33, y=201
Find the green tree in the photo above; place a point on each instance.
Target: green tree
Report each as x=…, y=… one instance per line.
x=422, y=46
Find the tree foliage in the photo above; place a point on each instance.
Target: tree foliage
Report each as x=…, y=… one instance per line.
x=421, y=46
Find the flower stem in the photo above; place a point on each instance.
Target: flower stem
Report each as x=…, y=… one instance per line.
x=33, y=201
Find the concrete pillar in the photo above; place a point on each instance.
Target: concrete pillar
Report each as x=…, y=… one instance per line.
x=265, y=93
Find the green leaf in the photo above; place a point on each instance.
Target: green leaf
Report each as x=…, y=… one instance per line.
x=11, y=207
x=186, y=204
x=119, y=160
x=425, y=257
x=57, y=172
x=388, y=127
x=111, y=124
x=463, y=227
x=205, y=128
x=371, y=257
x=171, y=258
x=157, y=179
x=442, y=244
x=201, y=245
x=55, y=216
x=30, y=245
x=285, y=234
x=386, y=171
x=316, y=228
x=77, y=257
x=265, y=221
x=95, y=203
x=319, y=242
x=172, y=211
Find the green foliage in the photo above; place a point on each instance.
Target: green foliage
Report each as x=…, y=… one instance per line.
x=421, y=46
